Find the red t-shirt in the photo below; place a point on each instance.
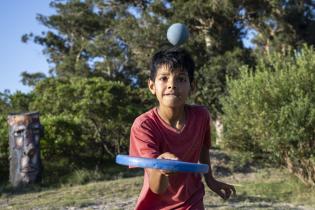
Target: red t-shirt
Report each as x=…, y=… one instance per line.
x=151, y=136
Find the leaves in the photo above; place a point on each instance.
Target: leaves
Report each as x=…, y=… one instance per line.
x=88, y=116
x=271, y=110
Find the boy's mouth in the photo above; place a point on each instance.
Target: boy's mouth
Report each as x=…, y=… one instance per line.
x=171, y=94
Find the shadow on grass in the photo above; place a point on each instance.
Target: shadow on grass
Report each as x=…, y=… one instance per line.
x=8, y=190
x=250, y=202
x=225, y=163
x=251, y=199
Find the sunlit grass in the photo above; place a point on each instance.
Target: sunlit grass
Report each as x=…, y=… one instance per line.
x=267, y=185
x=262, y=188
x=279, y=185
x=79, y=196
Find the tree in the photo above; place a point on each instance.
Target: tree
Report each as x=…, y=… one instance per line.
x=31, y=79
x=4, y=142
x=82, y=40
x=116, y=39
x=280, y=24
x=215, y=36
x=86, y=117
x=4, y=101
x=272, y=111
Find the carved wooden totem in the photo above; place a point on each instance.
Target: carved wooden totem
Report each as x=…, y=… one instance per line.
x=24, y=145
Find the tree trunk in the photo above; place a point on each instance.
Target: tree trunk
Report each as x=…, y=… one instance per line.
x=304, y=169
x=218, y=124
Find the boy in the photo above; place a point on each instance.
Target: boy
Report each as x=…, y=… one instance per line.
x=174, y=130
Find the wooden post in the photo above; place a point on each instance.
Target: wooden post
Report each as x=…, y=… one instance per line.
x=25, y=131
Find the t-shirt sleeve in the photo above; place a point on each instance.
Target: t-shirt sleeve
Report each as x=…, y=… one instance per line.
x=143, y=140
x=207, y=138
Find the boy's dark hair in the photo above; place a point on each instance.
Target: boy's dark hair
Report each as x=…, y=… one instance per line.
x=175, y=58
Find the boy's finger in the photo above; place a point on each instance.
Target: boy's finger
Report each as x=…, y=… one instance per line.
x=227, y=193
x=168, y=158
x=231, y=186
x=221, y=194
x=167, y=173
x=233, y=189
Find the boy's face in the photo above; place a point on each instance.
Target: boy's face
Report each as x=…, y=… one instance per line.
x=170, y=87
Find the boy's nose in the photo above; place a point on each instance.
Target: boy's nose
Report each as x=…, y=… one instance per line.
x=171, y=84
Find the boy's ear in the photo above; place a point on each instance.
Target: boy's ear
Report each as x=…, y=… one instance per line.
x=151, y=86
x=192, y=86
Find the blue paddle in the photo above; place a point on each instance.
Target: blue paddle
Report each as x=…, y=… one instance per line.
x=170, y=165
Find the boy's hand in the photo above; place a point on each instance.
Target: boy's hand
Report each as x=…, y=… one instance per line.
x=168, y=156
x=222, y=189
x=159, y=179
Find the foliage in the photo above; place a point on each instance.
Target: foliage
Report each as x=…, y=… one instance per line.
x=272, y=111
x=5, y=105
x=19, y=102
x=214, y=42
x=86, y=118
x=31, y=79
x=4, y=141
x=4, y=149
x=82, y=40
x=211, y=78
x=279, y=24
x=86, y=121
x=115, y=39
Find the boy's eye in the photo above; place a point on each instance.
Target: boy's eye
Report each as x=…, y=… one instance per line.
x=182, y=79
x=163, y=78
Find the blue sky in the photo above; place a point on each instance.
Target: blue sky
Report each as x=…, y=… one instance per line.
x=17, y=18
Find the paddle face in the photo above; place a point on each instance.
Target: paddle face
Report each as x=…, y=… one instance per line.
x=170, y=165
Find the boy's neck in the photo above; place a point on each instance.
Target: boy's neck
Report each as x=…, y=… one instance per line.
x=175, y=117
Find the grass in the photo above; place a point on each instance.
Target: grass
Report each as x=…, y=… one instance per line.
x=264, y=186
x=115, y=187
x=82, y=187
x=266, y=193
x=280, y=186
x=81, y=195
x=56, y=174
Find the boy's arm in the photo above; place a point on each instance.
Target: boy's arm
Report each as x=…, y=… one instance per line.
x=222, y=189
x=158, y=182
x=158, y=179
x=205, y=159
x=143, y=143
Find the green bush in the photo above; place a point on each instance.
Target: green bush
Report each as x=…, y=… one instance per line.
x=4, y=149
x=86, y=122
x=86, y=118
x=271, y=112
